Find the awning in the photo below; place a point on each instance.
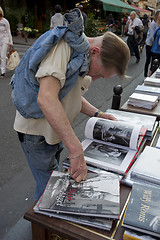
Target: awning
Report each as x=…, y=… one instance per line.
x=116, y=6
x=142, y=11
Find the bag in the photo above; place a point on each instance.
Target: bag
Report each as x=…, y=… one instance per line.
x=13, y=59
x=138, y=34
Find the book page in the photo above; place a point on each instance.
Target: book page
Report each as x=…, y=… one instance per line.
x=115, y=132
x=107, y=156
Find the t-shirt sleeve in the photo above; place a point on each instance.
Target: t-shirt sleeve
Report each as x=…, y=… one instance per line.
x=55, y=62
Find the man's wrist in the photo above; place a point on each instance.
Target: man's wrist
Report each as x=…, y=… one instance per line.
x=99, y=113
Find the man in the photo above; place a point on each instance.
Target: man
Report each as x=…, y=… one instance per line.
x=83, y=15
x=44, y=113
x=57, y=18
x=132, y=24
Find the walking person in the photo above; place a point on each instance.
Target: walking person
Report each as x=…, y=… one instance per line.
x=48, y=97
x=57, y=18
x=133, y=23
x=5, y=41
x=149, y=41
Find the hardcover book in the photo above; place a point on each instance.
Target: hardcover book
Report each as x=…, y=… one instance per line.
x=143, y=100
x=147, y=166
x=155, y=91
x=154, y=82
x=143, y=210
x=101, y=223
x=133, y=235
x=147, y=121
x=112, y=145
x=97, y=196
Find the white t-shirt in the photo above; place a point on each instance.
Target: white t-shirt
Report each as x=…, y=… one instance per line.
x=134, y=23
x=54, y=64
x=56, y=20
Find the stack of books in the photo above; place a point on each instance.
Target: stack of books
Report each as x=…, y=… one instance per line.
x=157, y=73
x=143, y=210
x=155, y=91
x=132, y=235
x=155, y=82
x=94, y=202
x=143, y=100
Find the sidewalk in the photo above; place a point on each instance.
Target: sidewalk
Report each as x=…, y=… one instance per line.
x=19, y=40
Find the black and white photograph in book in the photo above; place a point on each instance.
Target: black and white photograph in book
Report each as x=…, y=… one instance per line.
x=97, y=196
x=118, y=134
x=106, y=153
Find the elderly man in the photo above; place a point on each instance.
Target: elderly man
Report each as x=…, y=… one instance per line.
x=132, y=24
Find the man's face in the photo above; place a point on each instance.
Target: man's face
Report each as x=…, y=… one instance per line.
x=132, y=16
x=97, y=70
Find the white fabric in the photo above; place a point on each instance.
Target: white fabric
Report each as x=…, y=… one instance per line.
x=134, y=23
x=56, y=20
x=5, y=39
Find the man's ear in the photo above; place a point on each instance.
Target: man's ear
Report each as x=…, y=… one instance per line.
x=95, y=50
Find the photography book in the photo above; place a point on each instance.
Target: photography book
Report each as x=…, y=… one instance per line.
x=155, y=91
x=142, y=100
x=143, y=210
x=112, y=145
x=154, y=82
x=147, y=166
x=133, y=235
x=101, y=223
x=97, y=196
x=147, y=121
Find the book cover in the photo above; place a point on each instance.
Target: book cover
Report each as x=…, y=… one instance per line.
x=147, y=165
x=155, y=91
x=112, y=145
x=143, y=210
x=101, y=223
x=133, y=235
x=98, y=195
x=147, y=121
x=152, y=81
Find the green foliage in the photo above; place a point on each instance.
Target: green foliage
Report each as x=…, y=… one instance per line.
x=91, y=28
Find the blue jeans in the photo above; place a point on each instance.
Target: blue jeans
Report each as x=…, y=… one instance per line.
x=42, y=159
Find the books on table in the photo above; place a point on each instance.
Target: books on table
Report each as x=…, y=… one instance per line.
x=147, y=166
x=97, y=196
x=101, y=223
x=149, y=81
x=157, y=73
x=155, y=91
x=112, y=145
x=132, y=235
x=147, y=121
x=143, y=100
x=143, y=210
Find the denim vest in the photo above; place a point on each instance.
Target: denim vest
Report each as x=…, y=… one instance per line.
x=25, y=86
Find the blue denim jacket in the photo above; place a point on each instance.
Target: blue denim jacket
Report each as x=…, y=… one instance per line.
x=25, y=86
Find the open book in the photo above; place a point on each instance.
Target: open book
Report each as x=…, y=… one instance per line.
x=112, y=145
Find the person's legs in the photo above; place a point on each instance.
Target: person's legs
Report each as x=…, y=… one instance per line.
x=148, y=59
x=42, y=159
x=135, y=49
x=129, y=43
x=3, y=57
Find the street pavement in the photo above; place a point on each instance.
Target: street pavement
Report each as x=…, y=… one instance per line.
x=16, y=181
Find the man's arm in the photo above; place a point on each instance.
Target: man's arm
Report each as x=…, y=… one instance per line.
x=52, y=108
x=90, y=110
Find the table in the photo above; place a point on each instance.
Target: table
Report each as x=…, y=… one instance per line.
x=154, y=112
x=46, y=228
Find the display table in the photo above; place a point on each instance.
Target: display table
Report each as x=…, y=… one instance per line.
x=47, y=228
x=154, y=112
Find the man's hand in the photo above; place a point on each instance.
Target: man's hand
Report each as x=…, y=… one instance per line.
x=108, y=116
x=78, y=167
